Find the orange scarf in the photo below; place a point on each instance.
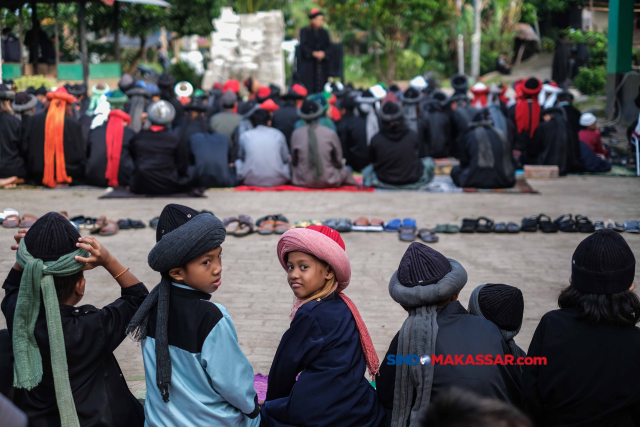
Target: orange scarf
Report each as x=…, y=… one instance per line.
x=55, y=168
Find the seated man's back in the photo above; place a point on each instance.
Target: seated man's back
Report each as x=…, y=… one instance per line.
x=211, y=159
x=97, y=157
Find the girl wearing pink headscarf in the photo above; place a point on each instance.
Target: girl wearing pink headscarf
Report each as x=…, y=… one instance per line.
x=317, y=376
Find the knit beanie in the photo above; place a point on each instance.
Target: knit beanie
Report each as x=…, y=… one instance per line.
x=422, y=265
x=126, y=82
x=51, y=237
x=229, y=99
x=41, y=90
x=172, y=217
x=603, y=263
x=502, y=305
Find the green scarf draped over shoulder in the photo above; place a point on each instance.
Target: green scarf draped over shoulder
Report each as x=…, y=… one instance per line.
x=27, y=367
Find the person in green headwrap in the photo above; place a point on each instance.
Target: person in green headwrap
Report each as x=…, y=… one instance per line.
x=63, y=355
x=324, y=119
x=117, y=99
x=96, y=93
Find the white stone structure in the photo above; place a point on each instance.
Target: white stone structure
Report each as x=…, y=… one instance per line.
x=246, y=45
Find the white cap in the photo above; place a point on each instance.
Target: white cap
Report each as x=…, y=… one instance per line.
x=587, y=119
x=418, y=83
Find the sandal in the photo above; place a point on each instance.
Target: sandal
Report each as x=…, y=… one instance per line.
x=344, y=225
x=89, y=223
x=529, y=225
x=28, y=220
x=392, y=225
x=136, y=224
x=230, y=225
x=500, y=227
x=584, y=224
x=484, y=225
x=361, y=224
x=469, y=225
x=11, y=221
x=245, y=226
x=77, y=220
x=154, y=222
x=567, y=224
x=513, y=228
x=408, y=229
x=452, y=229
x=302, y=224
x=266, y=225
x=545, y=224
x=599, y=225
x=101, y=222
x=428, y=236
x=616, y=226
x=124, y=224
x=110, y=228
x=331, y=223
x=376, y=225
x=631, y=226
x=282, y=224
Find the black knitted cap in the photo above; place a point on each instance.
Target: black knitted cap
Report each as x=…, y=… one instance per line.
x=172, y=217
x=31, y=90
x=502, y=305
x=603, y=263
x=422, y=265
x=41, y=90
x=51, y=237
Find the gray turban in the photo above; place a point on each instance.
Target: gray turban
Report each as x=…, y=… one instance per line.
x=161, y=113
x=418, y=336
x=198, y=236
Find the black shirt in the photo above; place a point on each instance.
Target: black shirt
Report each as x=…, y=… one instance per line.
x=97, y=157
x=395, y=156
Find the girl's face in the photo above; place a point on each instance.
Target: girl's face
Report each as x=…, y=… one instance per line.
x=203, y=273
x=306, y=274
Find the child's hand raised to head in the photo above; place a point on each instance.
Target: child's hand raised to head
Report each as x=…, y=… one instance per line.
x=98, y=254
x=18, y=237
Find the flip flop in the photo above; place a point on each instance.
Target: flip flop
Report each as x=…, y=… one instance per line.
x=99, y=224
x=484, y=225
x=530, y=224
x=408, y=229
x=584, y=224
x=28, y=220
x=545, y=224
x=513, y=228
x=154, y=222
x=124, y=224
x=451, y=229
x=136, y=224
x=8, y=212
x=88, y=223
x=344, y=225
x=11, y=221
x=245, y=227
x=614, y=225
x=631, y=226
x=566, y=223
x=230, y=225
x=282, y=224
x=110, y=228
x=392, y=225
x=469, y=225
x=77, y=220
x=331, y=223
x=428, y=236
x=361, y=224
x=500, y=227
x=266, y=225
x=376, y=225
x=440, y=228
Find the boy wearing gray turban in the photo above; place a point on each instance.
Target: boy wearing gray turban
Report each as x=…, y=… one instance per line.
x=427, y=285
x=194, y=367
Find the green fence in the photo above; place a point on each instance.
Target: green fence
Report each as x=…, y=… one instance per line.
x=11, y=71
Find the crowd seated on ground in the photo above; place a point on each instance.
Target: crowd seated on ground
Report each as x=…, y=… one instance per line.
x=540, y=126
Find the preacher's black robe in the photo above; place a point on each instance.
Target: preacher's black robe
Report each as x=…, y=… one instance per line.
x=572, y=116
x=91, y=335
x=352, y=131
x=485, y=159
x=75, y=150
x=284, y=119
x=549, y=145
x=311, y=72
x=11, y=161
x=97, y=158
x=160, y=162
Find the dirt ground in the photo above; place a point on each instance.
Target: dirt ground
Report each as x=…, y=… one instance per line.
x=254, y=287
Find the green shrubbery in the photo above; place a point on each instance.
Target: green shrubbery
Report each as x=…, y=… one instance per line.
x=184, y=73
x=24, y=82
x=591, y=81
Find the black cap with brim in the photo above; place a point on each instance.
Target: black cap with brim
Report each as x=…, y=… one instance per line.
x=19, y=108
x=7, y=94
x=392, y=117
x=318, y=13
x=309, y=115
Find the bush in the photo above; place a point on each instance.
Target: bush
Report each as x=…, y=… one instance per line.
x=548, y=44
x=24, y=82
x=591, y=81
x=597, y=44
x=184, y=73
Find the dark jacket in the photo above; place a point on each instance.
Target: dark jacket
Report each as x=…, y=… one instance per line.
x=591, y=162
x=591, y=375
x=284, y=119
x=549, y=145
x=75, y=151
x=394, y=154
x=190, y=127
x=91, y=335
x=11, y=161
x=461, y=333
x=352, y=131
x=485, y=159
x=160, y=161
x=97, y=158
x=323, y=346
x=461, y=119
x=211, y=158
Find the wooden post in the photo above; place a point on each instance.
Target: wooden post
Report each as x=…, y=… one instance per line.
x=35, y=36
x=56, y=34
x=20, y=38
x=116, y=30
x=83, y=41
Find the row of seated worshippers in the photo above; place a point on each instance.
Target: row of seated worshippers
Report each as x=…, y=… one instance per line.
x=391, y=136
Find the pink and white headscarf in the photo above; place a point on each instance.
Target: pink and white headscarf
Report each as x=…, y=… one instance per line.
x=326, y=244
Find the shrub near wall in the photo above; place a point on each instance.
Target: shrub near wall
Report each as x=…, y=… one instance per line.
x=591, y=81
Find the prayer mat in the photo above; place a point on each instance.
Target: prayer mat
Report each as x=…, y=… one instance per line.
x=348, y=188
x=444, y=166
x=616, y=170
x=444, y=184
x=125, y=193
x=522, y=187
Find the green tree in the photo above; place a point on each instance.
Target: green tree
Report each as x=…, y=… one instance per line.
x=193, y=16
x=390, y=23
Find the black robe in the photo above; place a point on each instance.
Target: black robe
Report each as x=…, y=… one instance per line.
x=161, y=163
x=439, y=127
x=572, y=116
x=11, y=156
x=190, y=127
x=75, y=150
x=485, y=159
x=561, y=68
x=97, y=158
x=311, y=72
x=574, y=390
x=211, y=160
x=284, y=119
x=461, y=119
x=352, y=131
x=91, y=335
x=549, y=145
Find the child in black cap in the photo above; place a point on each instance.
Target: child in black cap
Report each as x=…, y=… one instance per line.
x=591, y=344
x=63, y=355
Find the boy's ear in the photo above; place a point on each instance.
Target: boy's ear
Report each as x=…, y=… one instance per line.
x=176, y=274
x=79, y=291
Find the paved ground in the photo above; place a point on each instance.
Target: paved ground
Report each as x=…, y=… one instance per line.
x=254, y=289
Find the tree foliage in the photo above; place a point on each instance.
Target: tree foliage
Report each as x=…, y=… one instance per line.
x=192, y=16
